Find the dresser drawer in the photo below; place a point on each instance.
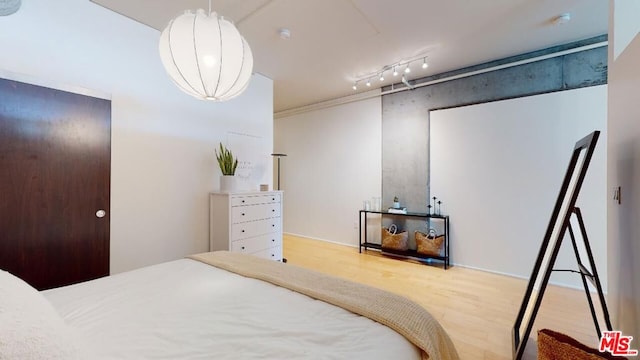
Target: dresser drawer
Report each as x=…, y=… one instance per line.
x=256, y=199
x=247, y=222
x=254, y=212
x=255, y=228
x=274, y=253
x=256, y=244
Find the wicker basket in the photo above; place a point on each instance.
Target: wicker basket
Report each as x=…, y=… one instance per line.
x=553, y=345
x=428, y=244
x=391, y=241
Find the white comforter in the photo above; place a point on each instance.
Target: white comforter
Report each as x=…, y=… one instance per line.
x=189, y=310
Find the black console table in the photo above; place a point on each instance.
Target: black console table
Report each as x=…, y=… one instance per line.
x=410, y=254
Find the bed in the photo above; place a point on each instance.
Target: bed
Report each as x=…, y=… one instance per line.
x=216, y=305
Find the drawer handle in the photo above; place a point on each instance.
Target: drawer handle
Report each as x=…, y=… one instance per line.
x=242, y=214
x=243, y=230
x=274, y=240
x=273, y=199
x=273, y=210
x=272, y=255
x=243, y=248
x=243, y=201
x=273, y=225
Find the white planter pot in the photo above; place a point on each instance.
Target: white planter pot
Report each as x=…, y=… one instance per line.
x=228, y=184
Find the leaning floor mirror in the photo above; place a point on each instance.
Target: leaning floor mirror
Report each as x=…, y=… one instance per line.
x=560, y=222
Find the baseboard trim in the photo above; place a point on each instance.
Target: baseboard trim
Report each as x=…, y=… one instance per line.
x=321, y=239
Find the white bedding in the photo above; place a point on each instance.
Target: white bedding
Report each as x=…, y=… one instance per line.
x=189, y=310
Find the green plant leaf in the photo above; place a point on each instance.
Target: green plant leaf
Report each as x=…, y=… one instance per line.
x=226, y=161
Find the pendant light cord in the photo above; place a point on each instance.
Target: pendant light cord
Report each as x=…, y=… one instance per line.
x=209, y=7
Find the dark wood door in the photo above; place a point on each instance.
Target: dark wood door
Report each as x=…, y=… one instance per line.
x=55, y=170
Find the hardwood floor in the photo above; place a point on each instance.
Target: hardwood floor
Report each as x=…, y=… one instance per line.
x=476, y=308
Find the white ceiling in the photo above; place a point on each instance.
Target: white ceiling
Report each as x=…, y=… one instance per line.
x=335, y=42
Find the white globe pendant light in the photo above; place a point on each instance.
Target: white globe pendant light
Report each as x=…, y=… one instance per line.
x=206, y=56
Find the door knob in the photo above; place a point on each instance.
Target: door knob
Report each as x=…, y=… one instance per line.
x=100, y=213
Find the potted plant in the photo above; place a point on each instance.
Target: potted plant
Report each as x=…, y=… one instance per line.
x=228, y=165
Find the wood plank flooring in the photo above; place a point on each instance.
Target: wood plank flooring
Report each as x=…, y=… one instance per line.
x=476, y=308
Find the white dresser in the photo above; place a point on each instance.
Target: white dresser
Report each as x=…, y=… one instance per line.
x=247, y=222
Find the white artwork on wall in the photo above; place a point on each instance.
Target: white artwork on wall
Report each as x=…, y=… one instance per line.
x=252, y=159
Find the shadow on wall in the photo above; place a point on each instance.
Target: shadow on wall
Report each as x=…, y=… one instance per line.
x=627, y=270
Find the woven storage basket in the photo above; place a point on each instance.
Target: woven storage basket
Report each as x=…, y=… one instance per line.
x=428, y=245
x=399, y=241
x=557, y=346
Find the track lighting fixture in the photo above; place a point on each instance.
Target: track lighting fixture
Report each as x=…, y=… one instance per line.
x=405, y=67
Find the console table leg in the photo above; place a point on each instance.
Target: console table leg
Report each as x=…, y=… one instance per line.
x=360, y=231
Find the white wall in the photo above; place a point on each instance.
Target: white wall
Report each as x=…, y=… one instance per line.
x=623, y=233
x=625, y=17
x=333, y=165
x=498, y=168
x=163, y=164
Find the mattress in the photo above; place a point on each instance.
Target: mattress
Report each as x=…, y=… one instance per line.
x=186, y=309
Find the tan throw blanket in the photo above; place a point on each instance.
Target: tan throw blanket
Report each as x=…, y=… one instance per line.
x=396, y=312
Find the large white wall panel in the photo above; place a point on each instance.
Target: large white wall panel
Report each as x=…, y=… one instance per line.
x=333, y=165
x=498, y=168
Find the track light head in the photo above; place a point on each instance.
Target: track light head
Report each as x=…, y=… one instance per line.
x=407, y=69
x=406, y=83
x=368, y=83
x=381, y=77
x=424, y=63
x=395, y=71
x=355, y=86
